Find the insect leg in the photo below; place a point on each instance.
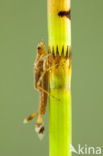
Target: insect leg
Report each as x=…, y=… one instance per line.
x=44, y=72
x=40, y=80
x=29, y=118
x=47, y=93
x=42, y=57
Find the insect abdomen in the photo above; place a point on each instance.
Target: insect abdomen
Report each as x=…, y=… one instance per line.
x=43, y=96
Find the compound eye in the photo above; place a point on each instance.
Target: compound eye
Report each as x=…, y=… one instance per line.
x=38, y=47
x=41, y=48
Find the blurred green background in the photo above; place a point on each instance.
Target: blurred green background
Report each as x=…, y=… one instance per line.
x=23, y=24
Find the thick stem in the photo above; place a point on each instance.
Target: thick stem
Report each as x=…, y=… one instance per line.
x=59, y=24
x=60, y=111
x=60, y=123
x=59, y=41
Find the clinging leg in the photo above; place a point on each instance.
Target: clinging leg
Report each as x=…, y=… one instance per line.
x=41, y=78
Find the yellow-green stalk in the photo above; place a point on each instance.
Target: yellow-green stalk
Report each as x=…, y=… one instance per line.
x=59, y=28
x=59, y=42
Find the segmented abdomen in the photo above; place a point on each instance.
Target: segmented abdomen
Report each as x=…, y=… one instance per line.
x=43, y=96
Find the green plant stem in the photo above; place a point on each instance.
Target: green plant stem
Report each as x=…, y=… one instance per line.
x=60, y=122
x=59, y=28
x=60, y=111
